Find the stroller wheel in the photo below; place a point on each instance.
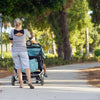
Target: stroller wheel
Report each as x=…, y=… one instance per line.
x=37, y=81
x=13, y=80
x=42, y=80
x=24, y=82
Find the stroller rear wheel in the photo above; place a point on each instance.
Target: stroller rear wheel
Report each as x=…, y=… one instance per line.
x=24, y=82
x=37, y=81
x=13, y=80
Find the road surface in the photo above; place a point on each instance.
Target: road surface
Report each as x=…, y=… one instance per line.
x=63, y=83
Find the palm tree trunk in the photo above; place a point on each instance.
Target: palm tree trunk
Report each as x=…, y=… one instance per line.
x=6, y=48
x=53, y=45
x=87, y=43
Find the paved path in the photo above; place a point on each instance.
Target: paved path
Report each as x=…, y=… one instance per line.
x=63, y=83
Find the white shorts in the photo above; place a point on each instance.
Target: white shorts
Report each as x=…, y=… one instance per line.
x=21, y=60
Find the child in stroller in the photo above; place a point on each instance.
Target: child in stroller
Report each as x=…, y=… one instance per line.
x=36, y=56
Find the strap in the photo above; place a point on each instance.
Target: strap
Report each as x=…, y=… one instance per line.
x=20, y=31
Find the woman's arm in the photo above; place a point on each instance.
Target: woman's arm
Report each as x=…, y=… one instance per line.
x=29, y=36
x=11, y=36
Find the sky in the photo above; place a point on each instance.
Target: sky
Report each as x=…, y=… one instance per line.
x=7, y=30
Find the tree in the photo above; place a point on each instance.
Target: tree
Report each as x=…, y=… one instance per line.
x=65, y=34
x=46, y=40
x=95, y=7
x=54, y=20
x=41, y=31
x=95, y=15
x=60, y=27
x=5, y=39
x=95, y=38
x=78, y=21
x=56, y=11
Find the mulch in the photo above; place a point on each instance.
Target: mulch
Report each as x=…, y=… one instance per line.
x=4, y=73
x=92, y=75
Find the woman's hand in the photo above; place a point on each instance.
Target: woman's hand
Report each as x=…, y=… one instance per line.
x=33, y=41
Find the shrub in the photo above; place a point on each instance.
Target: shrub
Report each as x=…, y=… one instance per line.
x=58, y=61
x=7, y=62
x=98, y=58
x=77, y=58
x=50, y=55
x=50, y=60
x=97, y=52
x=77, y=53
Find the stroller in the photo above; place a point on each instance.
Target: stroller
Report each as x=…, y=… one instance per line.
x=36, y=55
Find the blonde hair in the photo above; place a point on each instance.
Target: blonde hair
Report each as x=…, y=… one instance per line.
x=17, y=22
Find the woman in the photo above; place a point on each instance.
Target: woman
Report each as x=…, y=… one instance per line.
x=19, y=51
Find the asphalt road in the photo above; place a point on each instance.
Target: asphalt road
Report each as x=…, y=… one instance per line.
x=63, y=83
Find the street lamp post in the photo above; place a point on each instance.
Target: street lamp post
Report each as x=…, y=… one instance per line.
x=1, y=33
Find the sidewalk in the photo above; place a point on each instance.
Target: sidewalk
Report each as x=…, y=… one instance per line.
x=63, y=83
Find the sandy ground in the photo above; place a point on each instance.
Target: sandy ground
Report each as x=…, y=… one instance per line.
x=67, y=82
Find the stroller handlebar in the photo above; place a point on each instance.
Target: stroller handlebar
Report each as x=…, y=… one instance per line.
x=37, y=44
x=29, y=43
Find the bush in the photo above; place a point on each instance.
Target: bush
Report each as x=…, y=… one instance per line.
x=6, y=54
x=77, y=58
x=98, y=58
x=52, y=59
x=97, y=52
x=7, y=62
x=50, y=55
x=77, y=53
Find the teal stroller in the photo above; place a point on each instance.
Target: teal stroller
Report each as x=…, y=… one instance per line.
x=36, y=56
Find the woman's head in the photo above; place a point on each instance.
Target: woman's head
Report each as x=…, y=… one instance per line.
x=17, y=22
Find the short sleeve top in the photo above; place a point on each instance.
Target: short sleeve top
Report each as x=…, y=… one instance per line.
x=19, y=42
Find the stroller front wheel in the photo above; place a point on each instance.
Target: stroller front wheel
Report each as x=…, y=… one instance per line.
x=42, y=80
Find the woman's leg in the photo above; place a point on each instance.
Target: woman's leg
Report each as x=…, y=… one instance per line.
x=25, y=64
x=27, y=70
x=28, y=74
x=19, y=73
x=17, y=62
